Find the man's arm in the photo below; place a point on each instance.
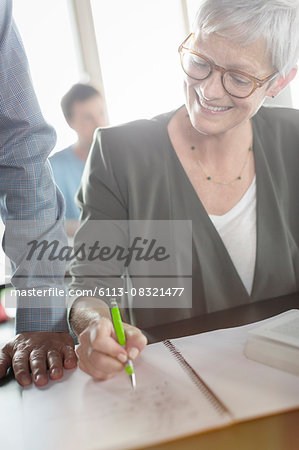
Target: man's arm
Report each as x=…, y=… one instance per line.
x=31, y=207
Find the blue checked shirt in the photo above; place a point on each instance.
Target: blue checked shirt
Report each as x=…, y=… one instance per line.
x=27, y=189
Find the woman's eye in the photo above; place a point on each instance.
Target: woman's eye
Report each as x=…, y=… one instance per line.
x=199, y=62
x=241, y=81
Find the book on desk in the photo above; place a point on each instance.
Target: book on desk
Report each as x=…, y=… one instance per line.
x=185, y=386
x=276, y=343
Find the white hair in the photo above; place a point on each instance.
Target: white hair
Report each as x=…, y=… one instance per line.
x=245, y=21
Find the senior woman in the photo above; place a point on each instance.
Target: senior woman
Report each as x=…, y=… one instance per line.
x=222, y=161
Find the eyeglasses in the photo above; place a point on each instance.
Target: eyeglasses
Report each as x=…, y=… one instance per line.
x=235, y=83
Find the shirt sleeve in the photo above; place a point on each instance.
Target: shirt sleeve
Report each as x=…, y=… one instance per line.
x=30, y=204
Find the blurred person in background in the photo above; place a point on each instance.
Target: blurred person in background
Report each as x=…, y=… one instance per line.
x=84, y=110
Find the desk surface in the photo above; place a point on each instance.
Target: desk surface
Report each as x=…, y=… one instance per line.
x=279, y=432
x=232, y=317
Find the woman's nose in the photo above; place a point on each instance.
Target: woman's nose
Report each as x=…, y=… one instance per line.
x=212, y=88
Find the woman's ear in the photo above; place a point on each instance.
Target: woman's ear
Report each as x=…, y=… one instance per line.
x=281, y=83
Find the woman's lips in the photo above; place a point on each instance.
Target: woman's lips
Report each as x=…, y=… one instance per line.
x=212, y=109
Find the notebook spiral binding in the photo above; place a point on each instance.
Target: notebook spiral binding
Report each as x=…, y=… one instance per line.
x=205, y=390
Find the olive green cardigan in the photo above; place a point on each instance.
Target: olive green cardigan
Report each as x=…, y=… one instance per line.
x=134, y=173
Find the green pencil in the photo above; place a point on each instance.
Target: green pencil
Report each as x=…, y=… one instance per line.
x=120, y=333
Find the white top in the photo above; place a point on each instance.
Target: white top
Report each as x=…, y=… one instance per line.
x=237, y=229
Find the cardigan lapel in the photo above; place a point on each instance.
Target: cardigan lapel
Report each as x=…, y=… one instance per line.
x=220, y=286
x=274, y=270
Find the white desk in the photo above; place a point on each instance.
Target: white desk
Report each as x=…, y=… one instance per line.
x=279, y=432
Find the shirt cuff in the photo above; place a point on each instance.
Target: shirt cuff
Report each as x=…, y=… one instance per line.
x=70, y=301
x=41, y=314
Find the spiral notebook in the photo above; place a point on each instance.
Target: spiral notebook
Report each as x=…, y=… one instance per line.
x=184, y=386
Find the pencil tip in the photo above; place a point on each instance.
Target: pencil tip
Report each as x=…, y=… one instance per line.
x=133, y=380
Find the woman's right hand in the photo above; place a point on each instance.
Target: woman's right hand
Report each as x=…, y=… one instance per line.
x=100, y=354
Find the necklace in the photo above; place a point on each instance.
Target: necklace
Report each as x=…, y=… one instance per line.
x=210, y=178
x=225, y=183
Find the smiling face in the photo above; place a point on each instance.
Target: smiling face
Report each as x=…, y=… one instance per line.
x=211, y=109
